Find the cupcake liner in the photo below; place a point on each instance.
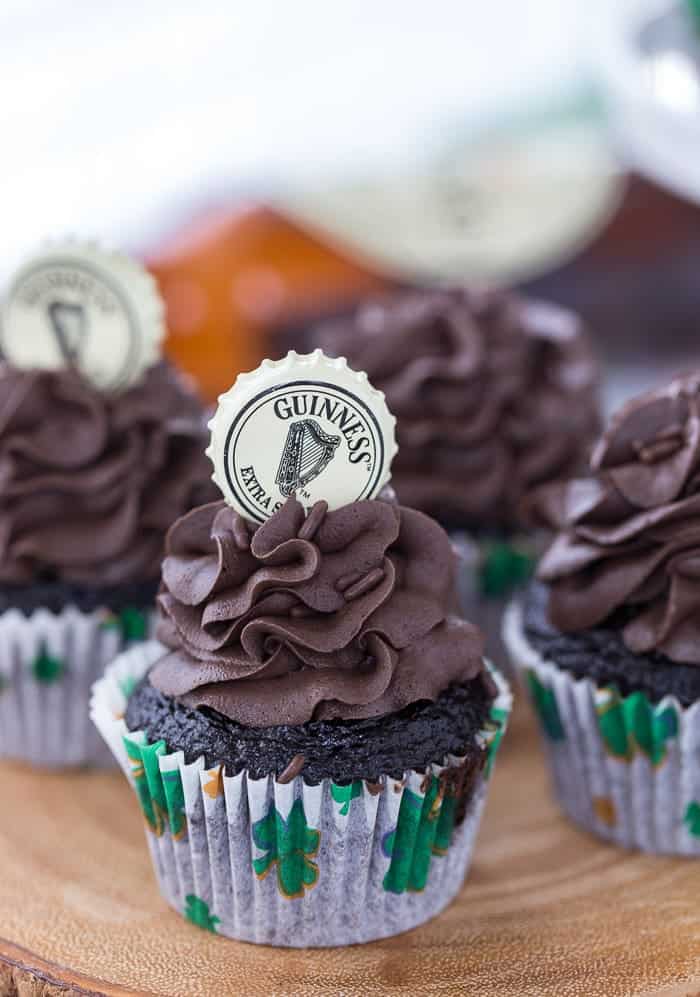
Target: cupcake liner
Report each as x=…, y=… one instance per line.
x=489, y=573
x=48, y=664
x=293, y=864
x=623, y=767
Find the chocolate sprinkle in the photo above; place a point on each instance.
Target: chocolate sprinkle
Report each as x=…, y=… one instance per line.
x=292, y=770
x=345, y=581
x=241, y=537
x=314, y=519
x=367, y=582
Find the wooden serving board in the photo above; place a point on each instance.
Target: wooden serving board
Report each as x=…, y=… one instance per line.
x=547, y=910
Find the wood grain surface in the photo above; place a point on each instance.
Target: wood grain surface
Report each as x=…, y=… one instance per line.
x=547, y=909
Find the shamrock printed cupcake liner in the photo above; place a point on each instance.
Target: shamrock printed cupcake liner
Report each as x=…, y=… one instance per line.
x=293, y=864
x=489, y=573
x=623, y=767
x=48, y=664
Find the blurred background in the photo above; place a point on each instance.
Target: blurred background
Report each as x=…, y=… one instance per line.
x=273, y=163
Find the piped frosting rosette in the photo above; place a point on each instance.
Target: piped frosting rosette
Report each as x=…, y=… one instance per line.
x=336, y=615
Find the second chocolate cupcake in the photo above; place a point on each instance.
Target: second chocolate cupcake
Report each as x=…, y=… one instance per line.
x=493, y=394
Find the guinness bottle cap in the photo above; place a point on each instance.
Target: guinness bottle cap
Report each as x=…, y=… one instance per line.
x=78, y=305
x=304, y=425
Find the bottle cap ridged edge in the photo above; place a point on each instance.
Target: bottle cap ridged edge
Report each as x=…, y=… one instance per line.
x=273, y=374
x=135, y=283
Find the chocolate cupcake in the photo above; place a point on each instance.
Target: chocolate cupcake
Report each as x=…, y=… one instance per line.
x=608, y=638
x=92, y=477
x=493, y=394
x=312, y=733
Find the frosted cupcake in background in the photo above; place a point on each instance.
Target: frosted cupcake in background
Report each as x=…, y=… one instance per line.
x=608, y=638
x=311, y=740
x=100, y=451
x=493, y=394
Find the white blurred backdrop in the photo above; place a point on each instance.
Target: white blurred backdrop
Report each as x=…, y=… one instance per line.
x=114, y=116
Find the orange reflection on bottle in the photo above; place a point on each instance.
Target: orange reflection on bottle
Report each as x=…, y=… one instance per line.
x=232, y=276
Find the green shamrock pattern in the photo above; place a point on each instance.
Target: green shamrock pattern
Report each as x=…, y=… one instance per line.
x=288, y=846
x=631, y=724
x=134, y=624
x=127, y=685
x=545, y=705
x=493, y=735
x=445, y=826
x=47, y=668
x=160, y=793
x=131, y=623
x=691, y=818
x=694, y=10
x=425, y=824
x=411, y=843
x=175, y=802
x=197, y=911
x=504, y=567
x=346, y=794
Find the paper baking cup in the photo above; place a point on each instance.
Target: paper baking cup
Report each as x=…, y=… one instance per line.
x=489, y=572
x=623, y=767
x=48, y=664
x=294, y=864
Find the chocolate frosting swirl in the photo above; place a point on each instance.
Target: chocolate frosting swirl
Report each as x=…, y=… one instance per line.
x=342, y=614
x=493, y=394
x=629, y=537
x=90, y=482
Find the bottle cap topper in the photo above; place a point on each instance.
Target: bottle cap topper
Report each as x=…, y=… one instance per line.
x=305, y=425
x=78, y=305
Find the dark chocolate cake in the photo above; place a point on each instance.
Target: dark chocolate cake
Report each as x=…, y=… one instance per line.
x=601, y=655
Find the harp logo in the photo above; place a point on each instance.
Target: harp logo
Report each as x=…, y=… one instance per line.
x=79, y=306
x=68, y=322
x=281, y=432
x=307, y=451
